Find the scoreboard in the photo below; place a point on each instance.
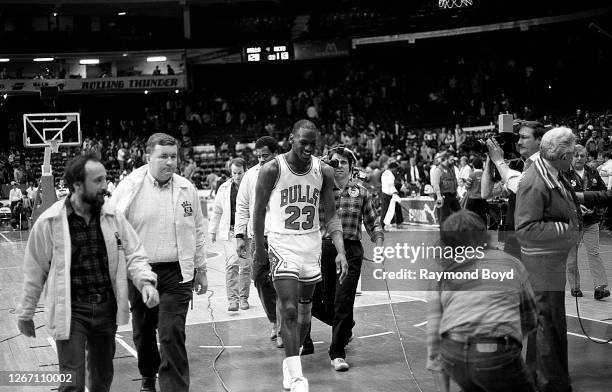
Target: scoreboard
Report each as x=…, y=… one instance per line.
x=260, y=54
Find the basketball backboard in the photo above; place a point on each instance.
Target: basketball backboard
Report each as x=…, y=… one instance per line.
x=39, y=129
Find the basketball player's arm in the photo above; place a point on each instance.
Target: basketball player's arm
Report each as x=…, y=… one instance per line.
x=263, y=189
x=332, y=221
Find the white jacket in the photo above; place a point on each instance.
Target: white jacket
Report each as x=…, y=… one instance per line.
x=220, y=219
x=188, y=218
x=47, y=263
x=245, y=202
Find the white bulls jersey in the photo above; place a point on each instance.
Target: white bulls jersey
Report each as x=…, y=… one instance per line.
x=294, y=201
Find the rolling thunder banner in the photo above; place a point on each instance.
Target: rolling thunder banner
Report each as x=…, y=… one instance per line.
x=136, y=83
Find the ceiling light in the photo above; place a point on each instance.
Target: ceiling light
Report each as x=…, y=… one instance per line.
x=176, y=91
x=4, y=60
x=122, y=13
x=124, y=55
x=43, y=59
x=89, y=61
x=156, y=59
x=55, y=14
x=146, y=92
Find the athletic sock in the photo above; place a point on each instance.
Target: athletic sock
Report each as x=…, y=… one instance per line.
x=294, y=364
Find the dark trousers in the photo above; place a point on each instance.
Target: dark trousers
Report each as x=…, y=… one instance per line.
x=170, y=361
x=479, y=206
x=451, y=204
x=547, y=348
x=333, y=302
x=502, y=370
x=265, y=289
x=398, y=217
x=92, y=330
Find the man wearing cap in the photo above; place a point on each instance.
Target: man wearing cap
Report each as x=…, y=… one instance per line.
x=15, y=195
x=444, y=182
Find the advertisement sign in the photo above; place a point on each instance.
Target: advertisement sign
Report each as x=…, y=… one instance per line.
x=134, y=83
x=321, y=49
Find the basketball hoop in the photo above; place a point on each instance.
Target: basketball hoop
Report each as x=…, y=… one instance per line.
x=54, y=145
x=450, y=4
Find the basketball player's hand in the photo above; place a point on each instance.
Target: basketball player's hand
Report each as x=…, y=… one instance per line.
x=26, y=327
x=341, y=267
x=439, y=202
x=150, y=296
x=580, y=196
x=200, y=283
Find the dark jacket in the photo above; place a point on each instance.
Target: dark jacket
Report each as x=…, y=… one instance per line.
x=591, y=182
x=546, y=220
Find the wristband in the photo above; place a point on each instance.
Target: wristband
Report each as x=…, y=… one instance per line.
x=201, y=268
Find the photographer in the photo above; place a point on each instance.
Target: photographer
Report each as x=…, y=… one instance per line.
x=530, y=136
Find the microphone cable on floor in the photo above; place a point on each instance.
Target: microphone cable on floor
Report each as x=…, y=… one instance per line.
x=214, y=325
x=603, y=341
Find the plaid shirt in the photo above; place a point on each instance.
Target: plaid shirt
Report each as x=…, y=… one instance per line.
x=354, y=205
x=89, y=267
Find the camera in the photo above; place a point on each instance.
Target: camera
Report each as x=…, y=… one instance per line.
x=331, y=162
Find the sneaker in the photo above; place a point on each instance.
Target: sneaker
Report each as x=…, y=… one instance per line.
x=299, y=384
x=273, y=332
x=286, y=377
x=340, y=365
x=244, y=304
x=576, y=293
x=307, y=347
x=233, y=306
x=279, y=342
x=601, y=292
x=148, y=384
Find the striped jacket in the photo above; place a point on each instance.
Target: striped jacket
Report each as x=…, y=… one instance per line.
x=547, y=218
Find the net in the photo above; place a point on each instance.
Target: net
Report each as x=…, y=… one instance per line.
x=448, y=4
x=54, y=145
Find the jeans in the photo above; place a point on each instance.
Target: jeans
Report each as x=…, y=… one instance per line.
x=478, y=368
x=547, y=348
x=333, y=302
x=92, y=330
x=598, y=272
x=169, y=317
x=237, y=271
x=265, y=288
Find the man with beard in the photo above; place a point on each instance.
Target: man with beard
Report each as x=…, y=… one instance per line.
x=164, y=209
x=266, y=149
x=84, y=252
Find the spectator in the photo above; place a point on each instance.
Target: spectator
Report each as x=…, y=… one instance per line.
x=15, y=195
x=84, y=304
x=548, y=224
x=465, y=316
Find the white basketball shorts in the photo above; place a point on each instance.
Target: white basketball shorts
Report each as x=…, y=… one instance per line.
x=295, y=256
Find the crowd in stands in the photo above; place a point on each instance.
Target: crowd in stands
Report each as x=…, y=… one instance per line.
x=380, y=111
